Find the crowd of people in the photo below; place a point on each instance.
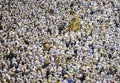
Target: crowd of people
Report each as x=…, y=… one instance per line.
x=59, y=41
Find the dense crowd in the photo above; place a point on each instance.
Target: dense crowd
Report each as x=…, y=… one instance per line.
x=59, y=41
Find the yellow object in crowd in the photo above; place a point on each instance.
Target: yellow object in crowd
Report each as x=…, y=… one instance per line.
x=59, y=82
x=11, y=49
x=75, y=23
x=72, y=12
x=47, y=46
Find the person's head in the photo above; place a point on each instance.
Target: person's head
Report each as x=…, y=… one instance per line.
x=58, y=81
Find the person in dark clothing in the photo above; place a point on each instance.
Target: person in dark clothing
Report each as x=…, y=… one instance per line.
x=47, y=73
x=92, y=48
x=75, y=51
x=49, y=31
x=61, y=27
x=63, y=72
x=82, y=78
x=67, y=44
x=109, y=56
